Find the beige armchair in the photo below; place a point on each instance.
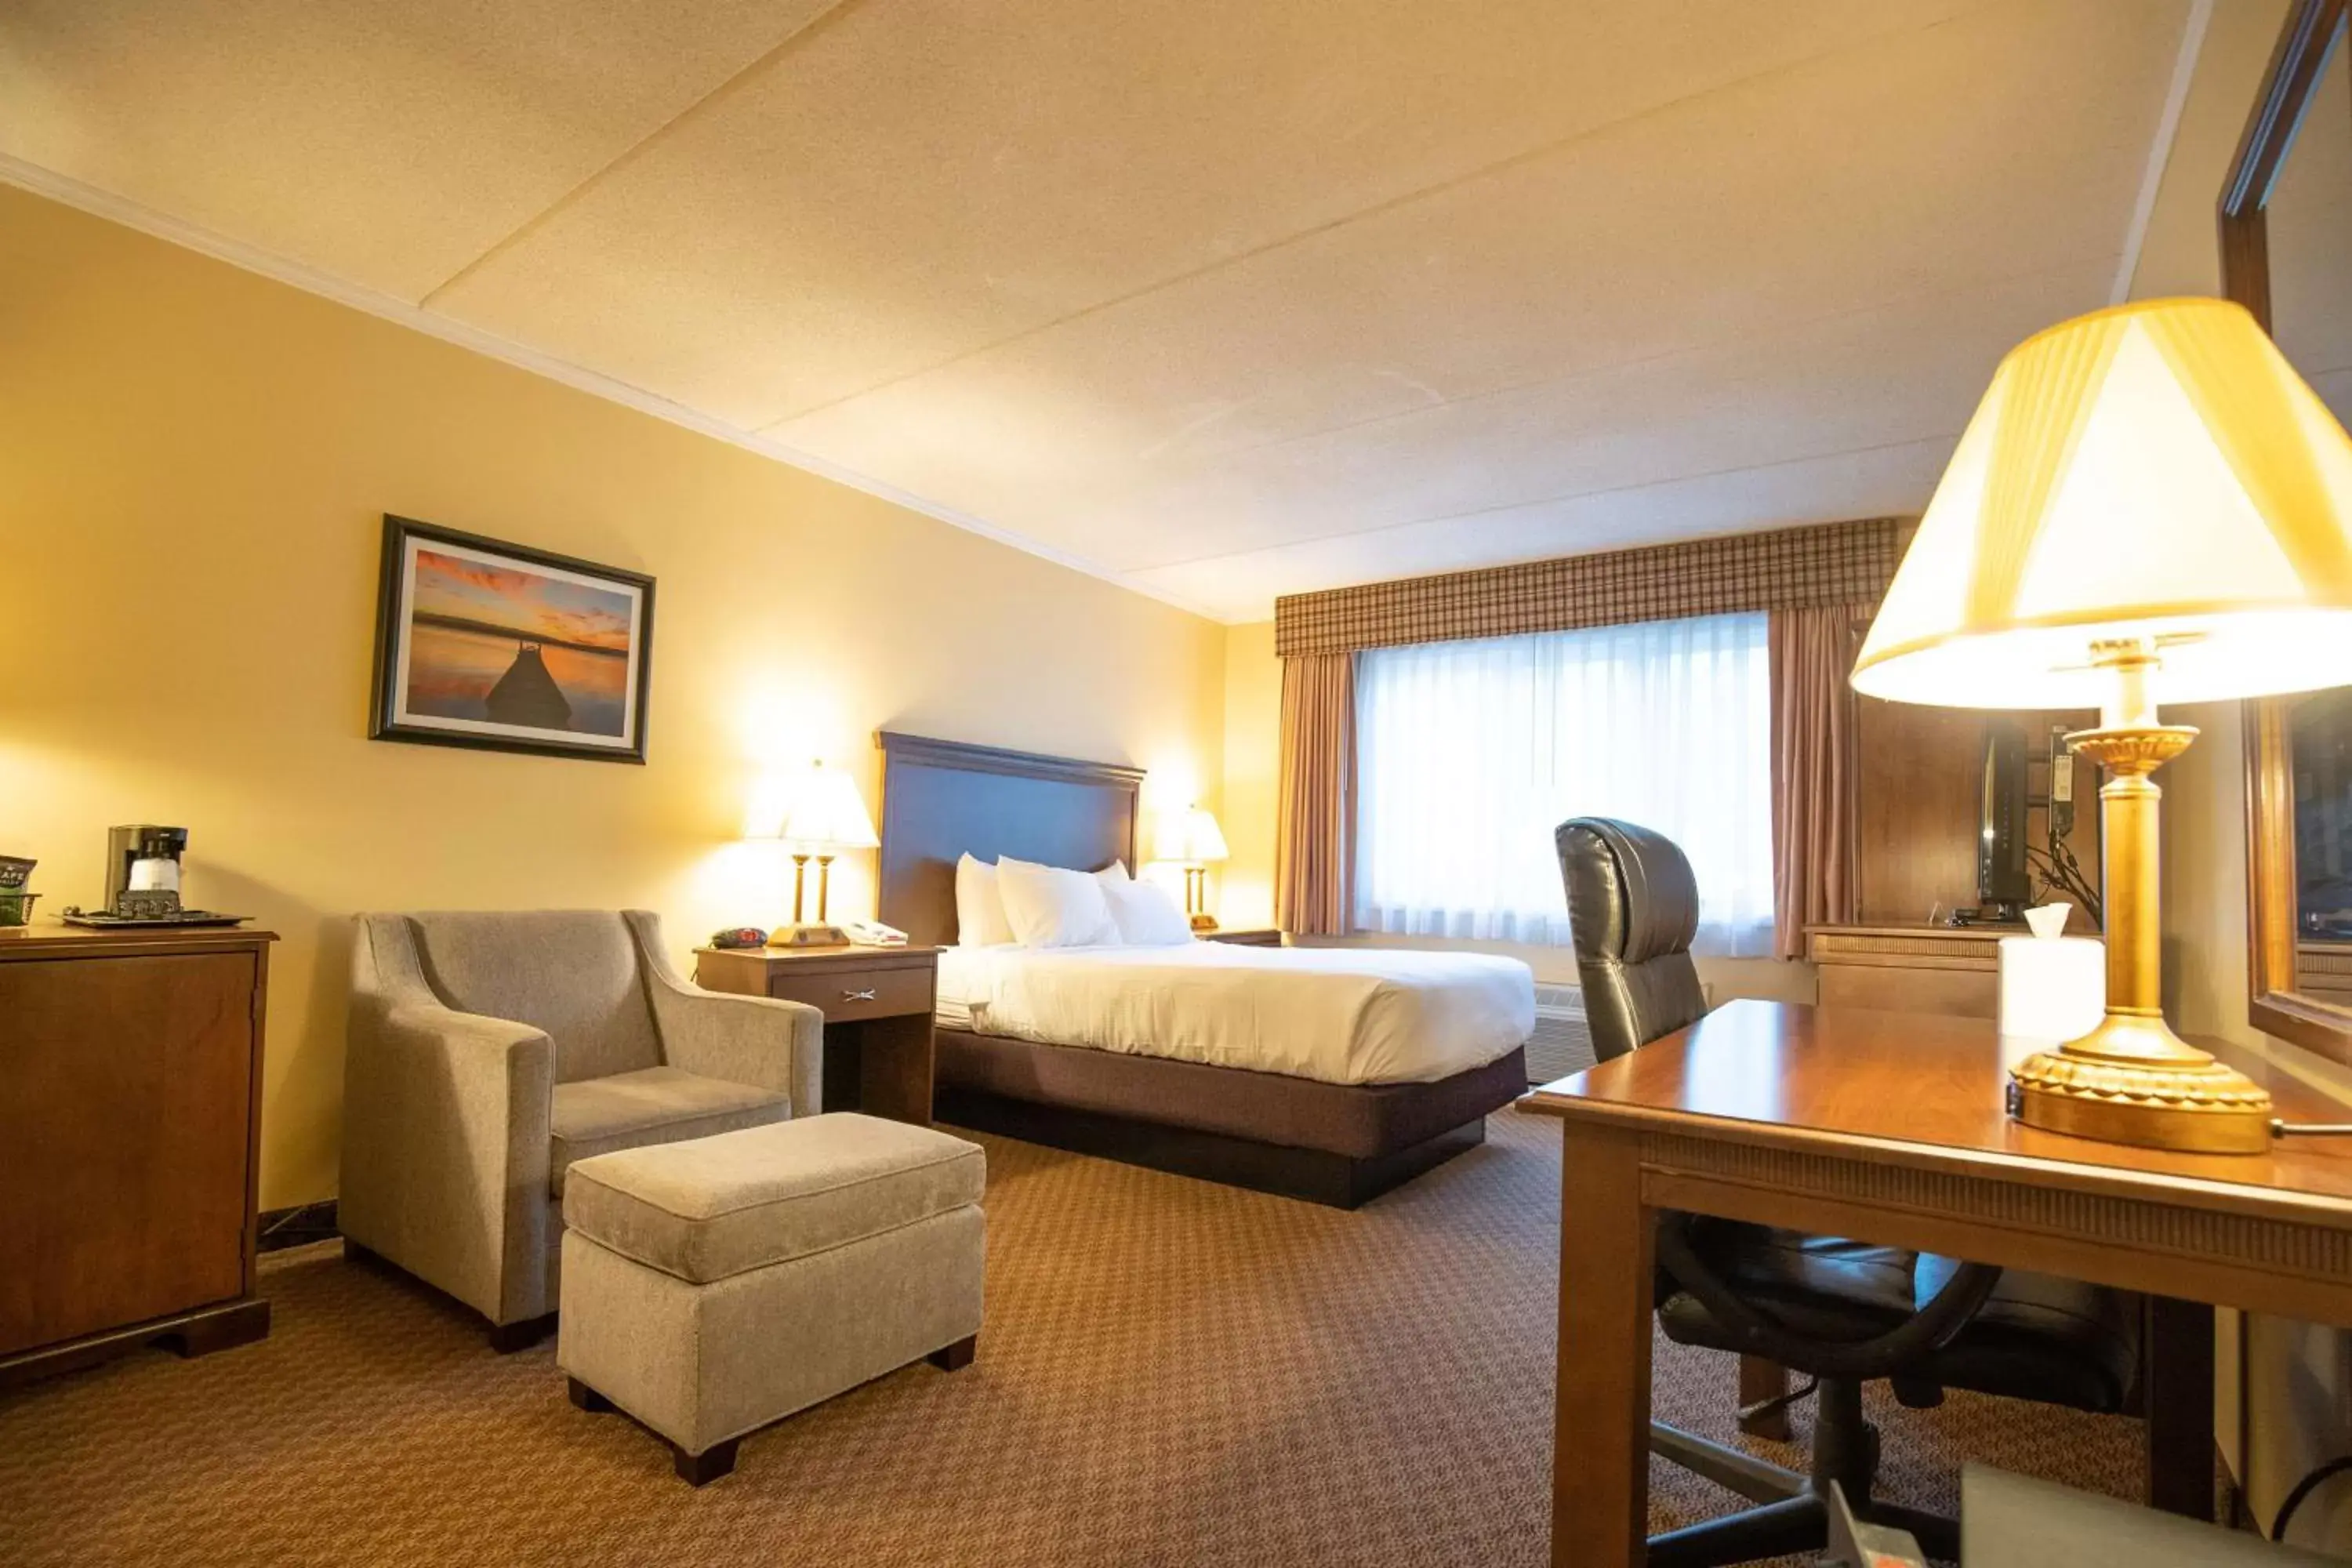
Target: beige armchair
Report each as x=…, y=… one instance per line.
x=488, y=1051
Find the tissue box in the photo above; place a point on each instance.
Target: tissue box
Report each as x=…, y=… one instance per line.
x=2053, y=989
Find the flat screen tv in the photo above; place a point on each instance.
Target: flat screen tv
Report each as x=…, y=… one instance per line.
x=2003, y=888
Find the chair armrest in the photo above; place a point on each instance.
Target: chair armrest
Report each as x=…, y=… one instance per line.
x=500, y=1075
x=1931, y=1328
x=447, y=1148
x=474, y=1045
x=762, y=1040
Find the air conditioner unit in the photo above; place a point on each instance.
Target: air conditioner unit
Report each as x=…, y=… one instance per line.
x=1561, y=1043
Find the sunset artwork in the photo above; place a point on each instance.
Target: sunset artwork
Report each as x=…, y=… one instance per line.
x=488, y=646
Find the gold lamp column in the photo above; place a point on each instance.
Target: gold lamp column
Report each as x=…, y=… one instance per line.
x=2149, y=502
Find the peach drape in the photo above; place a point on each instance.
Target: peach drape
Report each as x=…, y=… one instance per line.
x=1816, y=831
x=1315, y=836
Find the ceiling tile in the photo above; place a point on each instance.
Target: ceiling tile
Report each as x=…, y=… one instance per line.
x=1876, y=228
x=927, y=177
x=1852, y=381
x=386, y=143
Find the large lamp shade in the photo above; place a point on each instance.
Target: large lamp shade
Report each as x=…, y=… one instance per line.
x=2156, y=471
x=2148, y=506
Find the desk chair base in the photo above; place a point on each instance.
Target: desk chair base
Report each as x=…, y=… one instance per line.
x=1794, y=1512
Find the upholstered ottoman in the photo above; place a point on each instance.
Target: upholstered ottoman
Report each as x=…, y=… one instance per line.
x=714, y=1286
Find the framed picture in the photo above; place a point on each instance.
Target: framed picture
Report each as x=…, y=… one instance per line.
x=484, y=644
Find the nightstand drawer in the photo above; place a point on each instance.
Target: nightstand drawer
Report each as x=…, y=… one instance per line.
x=852, y=993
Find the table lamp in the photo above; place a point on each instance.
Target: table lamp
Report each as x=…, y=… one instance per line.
x=2148, y=503
x=825, y=817
x=1192, y=838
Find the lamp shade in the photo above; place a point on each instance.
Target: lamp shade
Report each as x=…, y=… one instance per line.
x=827, y=812
x=1191, y=835
x=2154, y=471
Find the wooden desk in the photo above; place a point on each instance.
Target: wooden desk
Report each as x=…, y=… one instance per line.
x=1888, y=1127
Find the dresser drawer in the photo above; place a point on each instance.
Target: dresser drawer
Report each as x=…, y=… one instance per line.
x=850, y=995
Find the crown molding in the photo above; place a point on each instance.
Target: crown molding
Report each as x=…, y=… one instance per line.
x=69, y=192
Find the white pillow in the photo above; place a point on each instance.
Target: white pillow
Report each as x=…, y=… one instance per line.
x=980, y=906
x=1048, y=907
x=1147, y=914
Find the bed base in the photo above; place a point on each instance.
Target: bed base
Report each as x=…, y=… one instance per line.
x=1315, y=1176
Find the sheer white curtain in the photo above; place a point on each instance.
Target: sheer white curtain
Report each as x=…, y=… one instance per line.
x=1470, y=754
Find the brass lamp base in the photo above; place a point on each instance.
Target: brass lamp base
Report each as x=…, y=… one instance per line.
x=820, y=932
x=1196, y=899
x=816, y=934
x=2132, y=1080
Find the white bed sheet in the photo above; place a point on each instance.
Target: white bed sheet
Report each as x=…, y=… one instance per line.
x=1337, y=1014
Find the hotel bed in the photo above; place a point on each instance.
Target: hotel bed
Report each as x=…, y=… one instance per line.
x=1333, y=1014
x=1326, y=1074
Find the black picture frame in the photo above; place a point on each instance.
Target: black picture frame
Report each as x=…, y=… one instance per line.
x=518, y=705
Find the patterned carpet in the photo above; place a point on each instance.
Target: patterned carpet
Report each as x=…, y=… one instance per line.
x=1172, y=1374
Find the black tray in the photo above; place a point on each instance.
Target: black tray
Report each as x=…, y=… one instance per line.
x=100, y=921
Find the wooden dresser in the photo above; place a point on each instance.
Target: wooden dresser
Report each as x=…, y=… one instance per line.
x=1952, y=970
x=130, y=1118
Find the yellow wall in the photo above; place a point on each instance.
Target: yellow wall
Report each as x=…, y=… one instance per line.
x=194, y=463
x=1253, y=760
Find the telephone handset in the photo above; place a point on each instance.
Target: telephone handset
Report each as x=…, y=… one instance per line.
x=874, y=934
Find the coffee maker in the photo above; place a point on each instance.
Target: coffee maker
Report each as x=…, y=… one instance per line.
x=142, y=871
x=143, y=882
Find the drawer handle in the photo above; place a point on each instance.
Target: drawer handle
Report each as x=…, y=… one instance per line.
x=857, y=995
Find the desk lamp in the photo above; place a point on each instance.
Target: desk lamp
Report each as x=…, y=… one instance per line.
x=2149, y=504
x=826, y=815
x=1192, y=838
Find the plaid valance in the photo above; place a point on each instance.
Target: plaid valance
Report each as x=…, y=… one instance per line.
x=1788, y=569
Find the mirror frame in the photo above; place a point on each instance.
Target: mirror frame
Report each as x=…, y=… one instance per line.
x=2273, y=1004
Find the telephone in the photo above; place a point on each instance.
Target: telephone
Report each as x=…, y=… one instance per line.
x=874, y=934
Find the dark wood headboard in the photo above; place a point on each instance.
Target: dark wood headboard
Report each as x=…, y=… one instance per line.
x=944, y=799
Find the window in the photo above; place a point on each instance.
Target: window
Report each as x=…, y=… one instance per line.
x=1470, y=754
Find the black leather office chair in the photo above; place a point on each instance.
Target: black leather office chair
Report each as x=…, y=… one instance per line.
x=1841, y=1312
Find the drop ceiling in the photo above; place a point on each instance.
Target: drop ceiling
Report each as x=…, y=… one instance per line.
x=1219, y=298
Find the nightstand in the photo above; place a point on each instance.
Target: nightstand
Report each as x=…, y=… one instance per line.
x=1253, y=938
x=877, y=1003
